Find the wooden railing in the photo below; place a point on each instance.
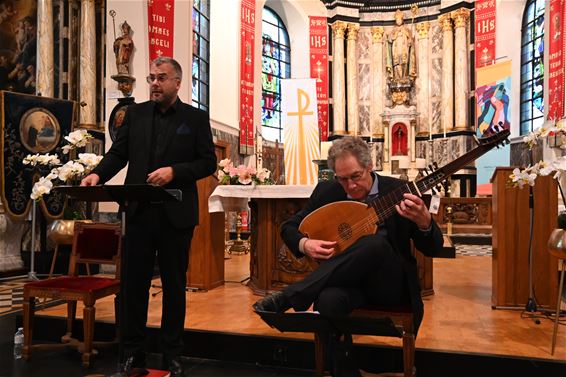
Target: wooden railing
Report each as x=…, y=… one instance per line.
x=467, y=215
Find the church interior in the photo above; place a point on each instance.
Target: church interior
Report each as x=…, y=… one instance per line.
x=464, y=100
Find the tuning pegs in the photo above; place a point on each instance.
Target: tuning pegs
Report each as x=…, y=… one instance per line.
x=435, y=165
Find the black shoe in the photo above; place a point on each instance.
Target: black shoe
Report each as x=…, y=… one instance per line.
x=276, y=302
x=134, y=365
x=173, y=365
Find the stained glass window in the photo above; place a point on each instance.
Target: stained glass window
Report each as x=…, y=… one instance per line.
x=276, y=65
x=201, y=53
x=532, y=67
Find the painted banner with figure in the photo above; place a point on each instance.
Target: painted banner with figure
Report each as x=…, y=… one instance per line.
x=300, y=131
x=160, y=27
x=31, y=125
x=493, y=96
x=556, y=59
x=493, y=90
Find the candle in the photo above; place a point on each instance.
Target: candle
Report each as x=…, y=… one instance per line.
x=324, y=147
x=420, y=163
x=404, y=162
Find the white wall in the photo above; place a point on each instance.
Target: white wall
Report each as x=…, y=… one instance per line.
x=224, y=64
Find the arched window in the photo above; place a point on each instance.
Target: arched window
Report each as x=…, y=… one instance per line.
x=201, y=53
x=532, y=68
x=276, y=65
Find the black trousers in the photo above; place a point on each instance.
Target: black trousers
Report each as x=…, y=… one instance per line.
x=149, y=231
x=369, y=272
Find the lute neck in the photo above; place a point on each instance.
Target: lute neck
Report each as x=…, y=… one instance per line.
x=384, y=205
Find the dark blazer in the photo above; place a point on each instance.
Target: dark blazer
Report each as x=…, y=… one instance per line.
x=189, y=151
x=400, y=231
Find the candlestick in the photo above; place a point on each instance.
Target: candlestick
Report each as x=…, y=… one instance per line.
x=324, y=147
x=420, y=163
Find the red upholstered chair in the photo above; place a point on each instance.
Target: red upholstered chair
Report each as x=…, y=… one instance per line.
x=93, y=243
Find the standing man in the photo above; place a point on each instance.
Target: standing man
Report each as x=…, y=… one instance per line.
x=167, y=143
x=377, y=269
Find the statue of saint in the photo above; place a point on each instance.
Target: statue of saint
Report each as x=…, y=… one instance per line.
x=400, y=64
x=123, y=48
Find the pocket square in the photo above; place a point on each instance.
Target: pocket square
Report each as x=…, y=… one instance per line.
x=183, y=129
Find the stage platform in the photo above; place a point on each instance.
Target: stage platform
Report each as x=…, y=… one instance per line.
x=460, y=333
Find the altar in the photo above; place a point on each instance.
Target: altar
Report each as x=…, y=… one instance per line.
x=272, y=265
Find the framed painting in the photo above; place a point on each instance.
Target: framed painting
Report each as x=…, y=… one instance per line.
x=117, y=116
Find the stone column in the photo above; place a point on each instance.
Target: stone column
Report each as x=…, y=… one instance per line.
x=447, y=103
x=87, y=69
x=423, y=87
x=338, y=84
x=352, y=80
x=45, y=68
x=377, y=73
x=461, y=91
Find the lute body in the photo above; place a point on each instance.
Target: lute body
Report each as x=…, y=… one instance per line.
x=344, y=222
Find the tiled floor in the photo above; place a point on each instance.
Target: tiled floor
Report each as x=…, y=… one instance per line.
x=473, y=250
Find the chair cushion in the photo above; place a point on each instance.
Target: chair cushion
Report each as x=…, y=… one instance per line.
x=74, y=284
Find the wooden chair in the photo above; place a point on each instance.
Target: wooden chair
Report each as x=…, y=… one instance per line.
x=94, y=243
x=402, y=319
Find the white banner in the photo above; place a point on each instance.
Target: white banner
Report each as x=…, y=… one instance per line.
x=300, y=131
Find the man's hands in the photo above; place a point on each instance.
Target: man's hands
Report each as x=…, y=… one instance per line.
x=318, y=249
x=90, y=180
x=161, y=176
x=413, y=208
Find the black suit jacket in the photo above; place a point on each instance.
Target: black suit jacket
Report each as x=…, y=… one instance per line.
x=189, y=151
x=400, y=231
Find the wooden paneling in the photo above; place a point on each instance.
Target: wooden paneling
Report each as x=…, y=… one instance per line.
x=510, y=238
x=272, y=265
x=206, y=255
x=469, y=215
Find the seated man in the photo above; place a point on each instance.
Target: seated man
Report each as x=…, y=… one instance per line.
x=377, y=269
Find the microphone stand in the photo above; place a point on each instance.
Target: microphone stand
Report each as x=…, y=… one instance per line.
x=531, y=305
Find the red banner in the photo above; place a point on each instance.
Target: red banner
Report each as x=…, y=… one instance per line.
x=160, y=21
x=318, y=41
x=556, y=59
x=485, y=32
x=247, y=43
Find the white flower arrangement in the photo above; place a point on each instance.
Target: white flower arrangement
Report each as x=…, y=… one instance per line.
x=228, y=174
x=557, y=167
x=70, y=172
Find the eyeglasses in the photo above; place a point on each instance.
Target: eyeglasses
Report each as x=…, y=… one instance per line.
x=354, y=177
x=161, y=78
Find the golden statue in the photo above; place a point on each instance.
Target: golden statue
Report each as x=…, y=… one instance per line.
x=401, y=60
x=123, y=48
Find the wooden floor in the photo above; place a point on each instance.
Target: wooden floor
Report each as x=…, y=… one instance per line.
x=458, y=317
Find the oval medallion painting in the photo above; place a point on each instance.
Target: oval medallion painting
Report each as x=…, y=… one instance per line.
x=39, y=130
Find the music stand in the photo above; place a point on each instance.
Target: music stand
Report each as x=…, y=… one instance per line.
x=123, y=195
